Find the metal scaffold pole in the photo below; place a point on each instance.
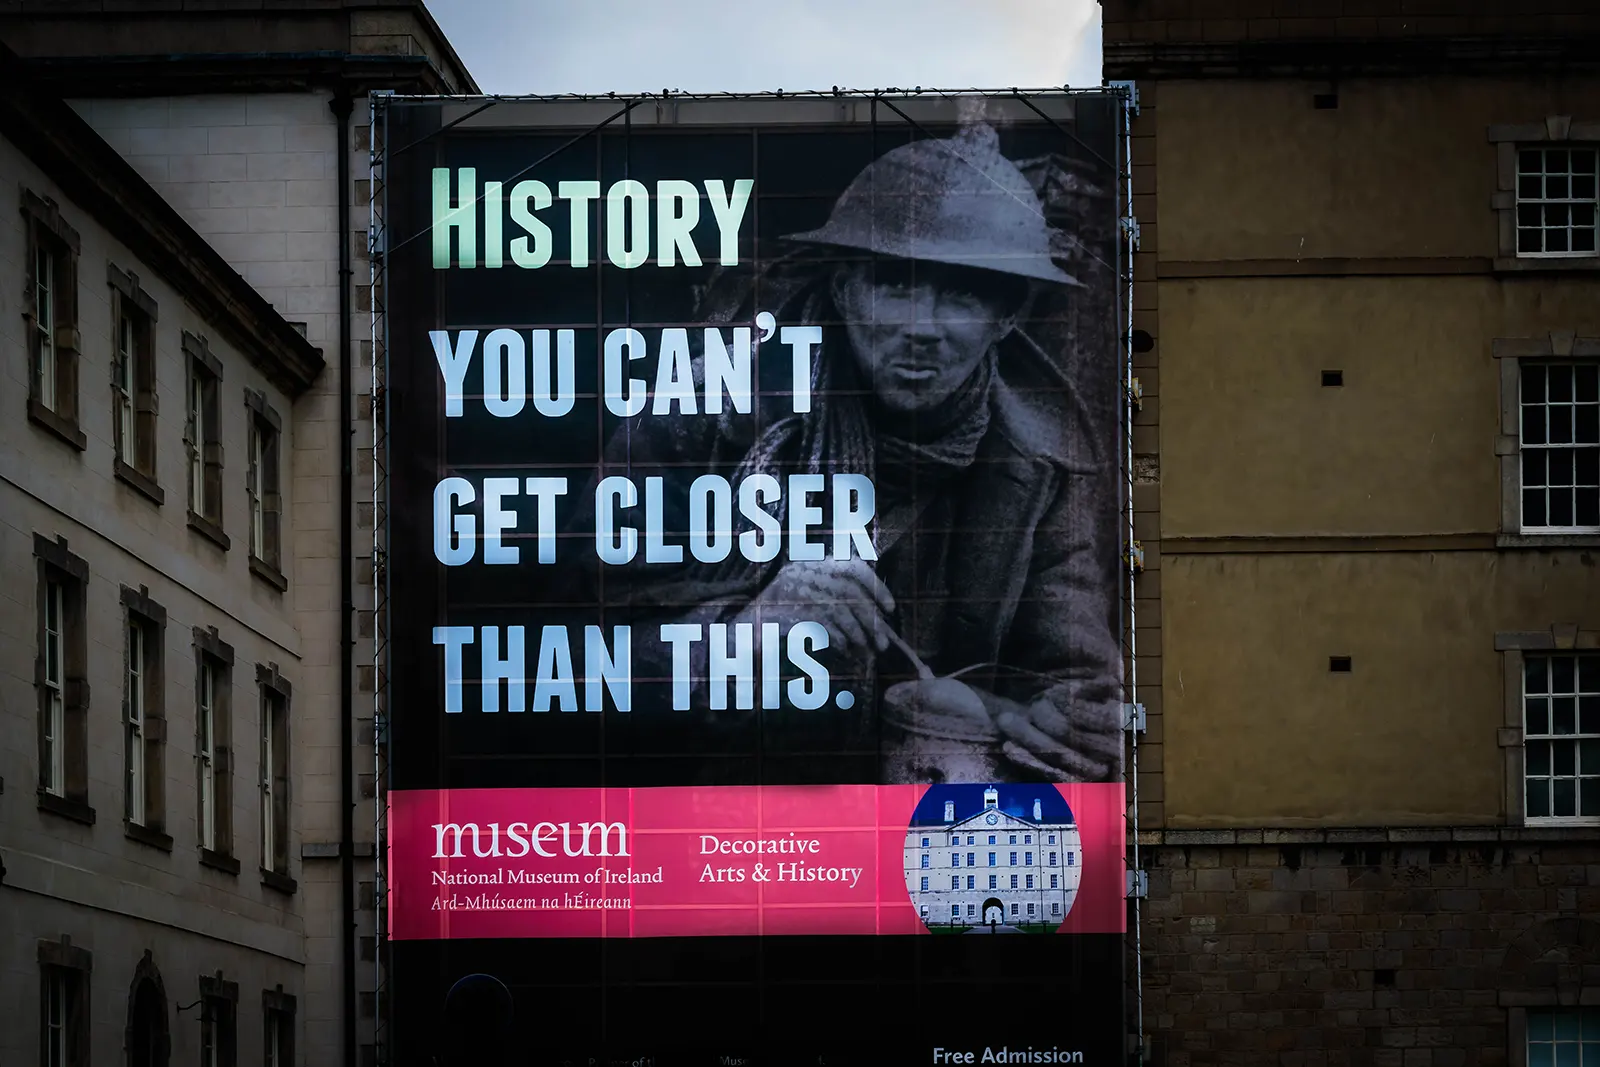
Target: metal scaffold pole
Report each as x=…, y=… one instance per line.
x=1134, y=719
x=377, y=241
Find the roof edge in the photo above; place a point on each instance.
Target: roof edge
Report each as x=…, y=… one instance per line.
x=103, y=184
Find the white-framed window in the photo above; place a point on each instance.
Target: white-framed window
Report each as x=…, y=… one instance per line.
x=1030, y=881
x=1072, y=859
x=1560, y=445
x=1564, y=1037
x=1556, y=200
x=1055, y=908
x=955, y=911
x=972, y=859
x=278, y=1010
x=275, y=694
x=1013, y=859
x=196, y=412
x=955, y=881
x=54, y=1039
x=206, y=752
x=269, y=801
x=993, y=881
x=1030, y=910
x=923, y=911
x=53, y=772
x=955, y=859
x=924, y=885
x=1052, y=839
x=992, y=859
x=273, y=1054
x=1561, y=735
x=1027, y=839
x=991, y=839
x=969, y=839
x=924, y=842
x=124, y=376
x=955, y=839
x=925, y=861
x=1027, y=858
x=1052, y=859
x=1013, y=881
x=1014, y=909
x=1055, y=881
x=1012, y=840
x=972, y=909
x=134, y=770
x=972, y=881
x=45, y=370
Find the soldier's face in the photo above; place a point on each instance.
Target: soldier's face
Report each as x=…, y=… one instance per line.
x=918, y=331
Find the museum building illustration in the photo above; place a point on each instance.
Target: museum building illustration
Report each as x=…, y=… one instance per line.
x=998, y=865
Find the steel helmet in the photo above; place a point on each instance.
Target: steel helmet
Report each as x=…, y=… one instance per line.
x=953, y=200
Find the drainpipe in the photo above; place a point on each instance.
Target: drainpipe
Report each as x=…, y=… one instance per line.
x=347, y=800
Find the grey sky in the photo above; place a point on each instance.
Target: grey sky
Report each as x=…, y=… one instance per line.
x=597, y=46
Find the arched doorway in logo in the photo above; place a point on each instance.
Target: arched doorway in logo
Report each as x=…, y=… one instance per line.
x=994, y=912
x=147, y=1038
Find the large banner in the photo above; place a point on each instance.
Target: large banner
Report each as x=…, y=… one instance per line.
x=755, y=676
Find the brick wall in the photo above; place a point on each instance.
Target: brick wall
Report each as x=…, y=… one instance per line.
x=1367, y=951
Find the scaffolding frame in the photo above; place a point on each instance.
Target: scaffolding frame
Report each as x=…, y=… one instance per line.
x=380, y=241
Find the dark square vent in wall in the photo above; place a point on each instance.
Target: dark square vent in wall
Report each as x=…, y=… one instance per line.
x=1332, y=378
x=1325, y=101
x=1339, y=664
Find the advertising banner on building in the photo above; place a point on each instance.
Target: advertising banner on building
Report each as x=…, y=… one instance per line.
x=753, y=497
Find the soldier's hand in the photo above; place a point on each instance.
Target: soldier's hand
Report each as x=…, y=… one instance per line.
x=846, y=597
x=1070, y=741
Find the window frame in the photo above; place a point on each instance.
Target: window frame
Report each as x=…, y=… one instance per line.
x=273, y=792
x=219, y=1021
x=62, y=961
x=151, y=619
x=1510, y=353
x=202, y=438
x=264, y=490
x=1538, y=1000
x=1514, y=647
x=1508, y=139
x=215, y=655
x=63, y=736
x=46, y=232
x=278, y=1011
x=134, y=404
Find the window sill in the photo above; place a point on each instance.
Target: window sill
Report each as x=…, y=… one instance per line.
x=1577, y=822
x=60, y=425
x=1519, y=264
x=146, y=835
x=219, y=861
x=66, y=807
x=281, y=882
x=1549, y=540
x=139, y=482
x=209, y=530
x=269, y=574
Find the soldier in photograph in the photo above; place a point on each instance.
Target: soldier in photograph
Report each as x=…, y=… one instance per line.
x=981, y=644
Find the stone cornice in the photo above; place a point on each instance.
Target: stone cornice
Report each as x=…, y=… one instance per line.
x=1351, y=57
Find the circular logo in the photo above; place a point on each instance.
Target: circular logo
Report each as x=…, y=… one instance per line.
x=1028, y=886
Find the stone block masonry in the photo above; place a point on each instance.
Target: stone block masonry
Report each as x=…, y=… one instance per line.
x=1370, y=952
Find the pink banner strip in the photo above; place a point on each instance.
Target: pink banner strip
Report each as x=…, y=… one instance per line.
x=748, y=860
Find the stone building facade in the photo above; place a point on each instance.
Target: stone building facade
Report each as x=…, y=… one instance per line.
x=151, y=667
x=1365, y=314
x=249, y=119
